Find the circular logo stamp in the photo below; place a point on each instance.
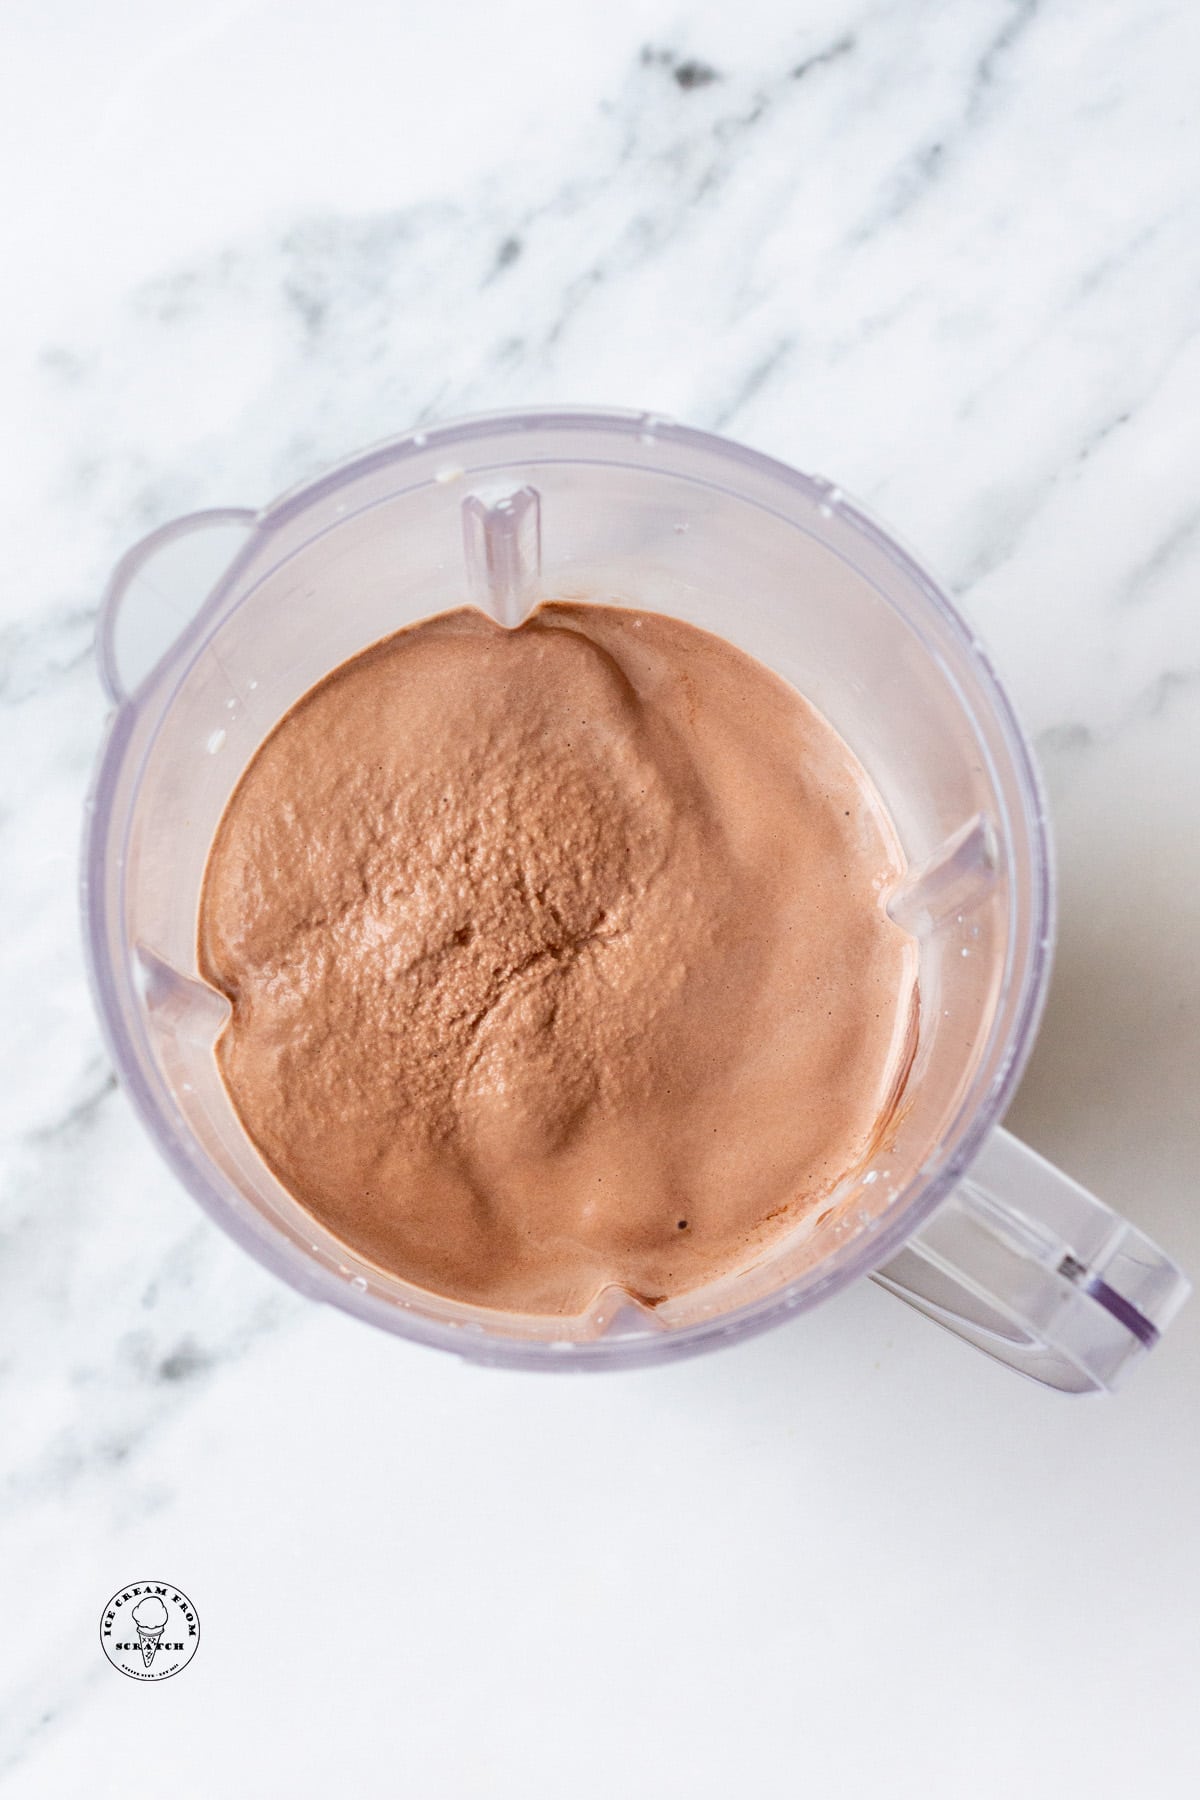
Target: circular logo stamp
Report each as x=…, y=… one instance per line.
x=149, y=1630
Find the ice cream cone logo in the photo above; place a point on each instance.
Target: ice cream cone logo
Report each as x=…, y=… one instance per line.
x=150, y=1617
x=149, y=1630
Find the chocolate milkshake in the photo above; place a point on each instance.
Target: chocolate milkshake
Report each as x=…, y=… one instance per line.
x=558, y=957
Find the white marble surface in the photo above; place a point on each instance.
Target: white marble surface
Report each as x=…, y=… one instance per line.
x=946, y=253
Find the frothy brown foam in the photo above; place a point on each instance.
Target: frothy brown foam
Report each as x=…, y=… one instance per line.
x=558, y=956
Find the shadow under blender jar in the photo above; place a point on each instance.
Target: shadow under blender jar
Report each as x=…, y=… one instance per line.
x=215, y=625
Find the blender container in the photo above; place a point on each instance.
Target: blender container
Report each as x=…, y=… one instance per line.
x=215, y=625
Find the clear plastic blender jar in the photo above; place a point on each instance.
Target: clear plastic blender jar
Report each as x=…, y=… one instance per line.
x=214, y=626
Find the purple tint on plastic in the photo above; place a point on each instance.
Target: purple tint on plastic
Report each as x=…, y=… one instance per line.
x=1129, y=1316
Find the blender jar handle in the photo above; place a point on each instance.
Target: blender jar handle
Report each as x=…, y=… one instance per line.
x=157, y=589
x=1028, y=1266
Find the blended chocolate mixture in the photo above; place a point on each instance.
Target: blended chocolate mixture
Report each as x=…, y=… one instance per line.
x=558, y=956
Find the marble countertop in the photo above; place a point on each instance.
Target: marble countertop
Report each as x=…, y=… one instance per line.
x=946, y=254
